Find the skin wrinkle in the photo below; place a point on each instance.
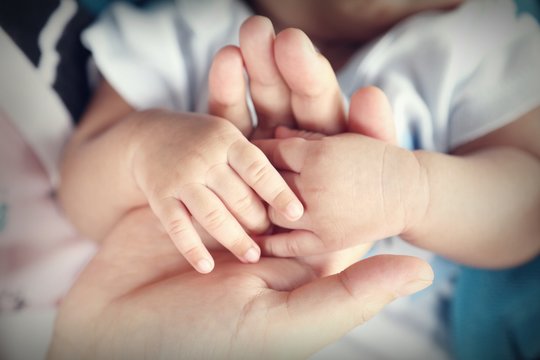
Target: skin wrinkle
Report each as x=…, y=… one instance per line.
x=215, y=219
x=190, y=251
x=256, y=170
x=178, y=226
x=246, y=310
x=287, y=303
x=243, y=204
x=345, y=280
x=404, y=197
x=130, y=148
x=426, y=187
x=292, y=247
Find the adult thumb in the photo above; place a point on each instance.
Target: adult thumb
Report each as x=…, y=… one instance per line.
x=326, y=309
x=370, y=114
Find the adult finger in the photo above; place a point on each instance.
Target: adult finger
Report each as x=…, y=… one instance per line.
x=241, y=201
x=324, y=310
x=316, y=99
x=269, y=92
x=227, y=88
x=176, y=220
x=370, y=114
x=212, y=215
x=257, y=171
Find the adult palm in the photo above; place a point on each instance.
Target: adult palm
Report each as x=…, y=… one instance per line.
x=139, y=299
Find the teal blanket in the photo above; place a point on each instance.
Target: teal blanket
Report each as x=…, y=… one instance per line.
x=496, y=314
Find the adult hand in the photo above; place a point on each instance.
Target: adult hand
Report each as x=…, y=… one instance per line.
x=290, y=83
x=139, y=299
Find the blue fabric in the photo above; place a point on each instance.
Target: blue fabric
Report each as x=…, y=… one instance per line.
x=97, y=6
x=530, y=6
x=496, y=314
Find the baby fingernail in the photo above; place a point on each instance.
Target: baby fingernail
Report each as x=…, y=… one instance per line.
x=252, y=255
x=204, y=266
x=295, y=210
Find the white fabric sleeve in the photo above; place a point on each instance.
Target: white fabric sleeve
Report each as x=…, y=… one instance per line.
x=454, y=76
x=476, y=70
x=139, y=54
x=160, y=56
x=504, y=86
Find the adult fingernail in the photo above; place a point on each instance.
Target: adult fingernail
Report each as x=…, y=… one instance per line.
x=252, y=255
x=295, y=210
x=309, y=45
x=414, y=286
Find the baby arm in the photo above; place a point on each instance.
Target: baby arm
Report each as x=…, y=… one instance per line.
x=484, y=204
x=479, y=206
x=182, y=165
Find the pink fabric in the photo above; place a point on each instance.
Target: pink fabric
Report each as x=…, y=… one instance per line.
x=40, y=252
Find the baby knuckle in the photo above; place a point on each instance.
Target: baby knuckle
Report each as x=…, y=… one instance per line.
x=177, y=227
x=257, y=171
x=190, y=251
x=215, y=219
x=277, y=199
x=243, y=204
x=292, y=248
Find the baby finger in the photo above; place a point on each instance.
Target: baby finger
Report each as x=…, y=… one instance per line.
x=177, y=222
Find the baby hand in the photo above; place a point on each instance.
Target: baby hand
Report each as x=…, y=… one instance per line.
x=356, y=189
x=201, y=166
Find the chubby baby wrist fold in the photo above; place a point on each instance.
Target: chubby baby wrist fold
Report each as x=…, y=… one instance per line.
x=418, y=200
x=405, y=190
